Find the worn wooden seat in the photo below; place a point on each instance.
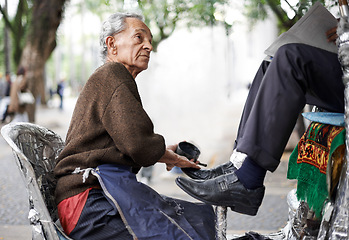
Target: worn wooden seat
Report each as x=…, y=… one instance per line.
x=36, y=150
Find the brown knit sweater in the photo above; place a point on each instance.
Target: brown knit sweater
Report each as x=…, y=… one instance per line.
x=109, y=125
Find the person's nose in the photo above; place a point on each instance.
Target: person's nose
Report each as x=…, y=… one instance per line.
x=148, y=46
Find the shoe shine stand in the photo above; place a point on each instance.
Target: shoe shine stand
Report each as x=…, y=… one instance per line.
x=337, y=224
x=221, y=222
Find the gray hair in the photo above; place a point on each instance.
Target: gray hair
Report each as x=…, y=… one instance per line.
x=113, y=25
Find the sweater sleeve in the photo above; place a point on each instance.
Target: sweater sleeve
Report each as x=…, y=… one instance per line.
x=131, y=128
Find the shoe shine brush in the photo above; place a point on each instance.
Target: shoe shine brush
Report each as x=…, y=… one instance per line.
x=189, y=151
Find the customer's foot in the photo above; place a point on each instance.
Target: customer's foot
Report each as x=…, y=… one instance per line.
x=225, y=190
x=205, y=174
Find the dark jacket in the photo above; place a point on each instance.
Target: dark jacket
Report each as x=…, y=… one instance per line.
x=109, y=125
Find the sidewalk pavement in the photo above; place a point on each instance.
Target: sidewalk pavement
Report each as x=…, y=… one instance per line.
x=271, y=217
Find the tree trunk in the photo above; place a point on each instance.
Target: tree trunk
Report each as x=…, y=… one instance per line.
x=41, y=41
x=7, y=45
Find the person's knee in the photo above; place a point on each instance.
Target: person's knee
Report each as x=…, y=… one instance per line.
x=296, y=55
x=290, y=48
x=294, y=49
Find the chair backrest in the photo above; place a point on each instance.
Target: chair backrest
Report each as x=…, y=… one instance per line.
x=36, y=150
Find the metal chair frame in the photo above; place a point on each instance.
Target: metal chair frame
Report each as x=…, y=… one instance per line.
x=36, y=150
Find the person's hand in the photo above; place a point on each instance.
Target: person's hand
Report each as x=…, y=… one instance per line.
x=171, y=159
x=331, y=35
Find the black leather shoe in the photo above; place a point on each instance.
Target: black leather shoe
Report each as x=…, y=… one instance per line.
x=203, y=174
x=225, y=190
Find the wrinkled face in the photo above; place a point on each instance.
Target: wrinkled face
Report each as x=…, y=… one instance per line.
x=132, y=46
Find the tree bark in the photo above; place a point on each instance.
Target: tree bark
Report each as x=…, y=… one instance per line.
x=40, y=43
x=6, y=44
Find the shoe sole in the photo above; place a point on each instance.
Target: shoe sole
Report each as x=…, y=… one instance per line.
x=237, y=207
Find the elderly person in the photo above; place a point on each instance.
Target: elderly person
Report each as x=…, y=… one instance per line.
x=109, y=139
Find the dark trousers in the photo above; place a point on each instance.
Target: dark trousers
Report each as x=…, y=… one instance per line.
x=298, y=74
x=100, y=220
x=146, y=214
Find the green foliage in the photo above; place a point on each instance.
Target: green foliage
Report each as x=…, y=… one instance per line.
x=18, y=26
x=163, y=17
x=286, y=13
x=100, y=7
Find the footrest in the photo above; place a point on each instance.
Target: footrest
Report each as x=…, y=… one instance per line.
x=336, y=119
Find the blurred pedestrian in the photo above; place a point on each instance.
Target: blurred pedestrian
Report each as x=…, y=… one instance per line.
x=5, y=102
x=60, y=91
x=8, y=84
x=2, y=87
x=15, y=107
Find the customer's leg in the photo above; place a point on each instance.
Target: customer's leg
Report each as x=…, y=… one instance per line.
x=257, y=80
x=298, y=74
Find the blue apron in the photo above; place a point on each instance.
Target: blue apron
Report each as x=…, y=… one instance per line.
x=149, y=215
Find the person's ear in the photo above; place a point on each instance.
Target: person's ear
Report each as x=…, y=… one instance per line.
x=111, y=44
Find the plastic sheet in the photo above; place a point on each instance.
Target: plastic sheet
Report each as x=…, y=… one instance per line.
x=33, y=216
x=37, y=233
x=221, y=222
x=339, y=221
x=36, y=149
